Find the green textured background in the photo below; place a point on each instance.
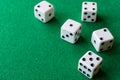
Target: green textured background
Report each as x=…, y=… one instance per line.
x=31, y=50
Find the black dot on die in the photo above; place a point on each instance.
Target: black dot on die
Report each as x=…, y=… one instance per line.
x=76, y=33
x=63, y=36
x=101, y=38
x=76, y=39
x=83, y=59
x=89, y=53
x=101, y=49
x=36, y=10
x=103, y=43
x=81, y=64
x=71, y=25
x=105, y=30
x=71, y=34
x=93, y=13
x=97, y=58
x=67, y=35
x=50, y=6
x=93, y=3
x=109, y=47
x=80, y=69
x=85, y=3
x=85, y=67
x=50, y=14
x=89, y=70
x=88, y=75
x=111, y=41
x=84, y=19
x=42, y=19
x=91, y=59
x=84, y=72
x=89, y=16
x=92, y=20
x=93, y=8
x=85, y=13
x=92, y=65
x=38, y=6
x=39, y=15
x=94, y=41
x=85, y=8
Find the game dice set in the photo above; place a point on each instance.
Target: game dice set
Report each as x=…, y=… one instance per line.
x=102, y=39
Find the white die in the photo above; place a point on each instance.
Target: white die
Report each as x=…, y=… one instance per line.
x=70, y=31
x=44, y=11
x=89, y=11
x=102, y=39
x=90, y=64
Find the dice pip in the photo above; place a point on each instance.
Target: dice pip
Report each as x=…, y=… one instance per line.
x=90, y=64
x=102, y=39
x=44, y=11
x=70, y=31
x=89, y=11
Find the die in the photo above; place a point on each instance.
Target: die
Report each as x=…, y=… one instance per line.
x=70, y=31
x=89, y=11
x=44, y=11
x=90, y=64
x=102, y=39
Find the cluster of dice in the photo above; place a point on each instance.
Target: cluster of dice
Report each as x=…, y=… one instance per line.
x=102, y=39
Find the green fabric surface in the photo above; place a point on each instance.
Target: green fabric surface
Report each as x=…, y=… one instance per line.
x=32, y=50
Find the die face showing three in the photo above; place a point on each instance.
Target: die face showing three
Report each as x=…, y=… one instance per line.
x=102, y=39
x=70, y=31
x=89, y=64
x=44, y=11
x=89, y=11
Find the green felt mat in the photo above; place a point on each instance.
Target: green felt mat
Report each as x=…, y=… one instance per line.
x=31, y=50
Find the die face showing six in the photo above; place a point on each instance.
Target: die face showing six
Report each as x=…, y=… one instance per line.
x=102, y=39
x=89, y=11
x=89, y=64
x=44, y=11
x=70, y=31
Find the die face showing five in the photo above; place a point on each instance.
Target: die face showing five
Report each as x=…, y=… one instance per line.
x=44, y=11
x=89, y=11
x=102, y=39
x=89, y=64
x=70, y=31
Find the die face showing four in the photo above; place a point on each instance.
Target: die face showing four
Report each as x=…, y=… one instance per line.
x=89, y=64
x=102, y=39
x=70, y=31
x=89, y=11
x=44, y=11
